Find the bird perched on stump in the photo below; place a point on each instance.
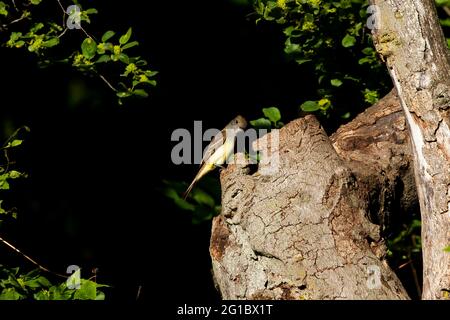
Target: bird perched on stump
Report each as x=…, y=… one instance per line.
x=219, y=150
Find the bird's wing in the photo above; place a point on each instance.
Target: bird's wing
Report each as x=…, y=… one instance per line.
x=216, y=142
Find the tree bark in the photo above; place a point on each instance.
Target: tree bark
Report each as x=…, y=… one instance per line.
x=305, y=232
x=409, y=38
x=376, y=146
x=308, y=231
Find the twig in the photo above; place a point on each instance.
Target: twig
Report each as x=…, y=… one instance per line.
x=31, y=260
x=447, y=10
x=107, y=82
x=16, y=20
x=416, y=279
x=64, y=21
x=61, y=6
x=138, y=293
x=87, y=34
x=15, y=134
x=14, y=3
x=63, y=33
x=64, y=12
x=404, y=264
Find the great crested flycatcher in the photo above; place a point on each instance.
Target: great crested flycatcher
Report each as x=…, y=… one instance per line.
x=219, y=150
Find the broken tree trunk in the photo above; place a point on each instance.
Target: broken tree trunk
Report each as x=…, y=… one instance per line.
x=304, y=232
x=410, y=39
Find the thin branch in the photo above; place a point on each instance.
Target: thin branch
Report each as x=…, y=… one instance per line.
x=15, y=135
x=61, y=6
x=447, y=10
x=17, y=20
x=31, y=260
x=107, y=82
x=87, y=34
x=14, y=3
x=64, y=20
x=138, y=295
x=404, y=264
x=63, y=33
x=416, y=280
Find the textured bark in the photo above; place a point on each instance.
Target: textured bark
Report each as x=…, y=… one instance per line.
x=305, y=231
x=410, y=40
x=376, y=147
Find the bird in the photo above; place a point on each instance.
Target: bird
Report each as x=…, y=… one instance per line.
x=218, y=150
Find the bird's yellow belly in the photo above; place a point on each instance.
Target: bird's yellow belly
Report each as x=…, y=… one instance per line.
x=221, y=155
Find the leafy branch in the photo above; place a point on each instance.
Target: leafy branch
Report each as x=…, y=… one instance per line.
x=33, y=285
x=132, y=77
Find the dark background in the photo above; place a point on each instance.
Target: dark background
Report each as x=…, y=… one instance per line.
x=95, y=168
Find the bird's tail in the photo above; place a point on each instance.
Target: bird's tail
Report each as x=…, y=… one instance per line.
x=189, y=189
x=204, y=169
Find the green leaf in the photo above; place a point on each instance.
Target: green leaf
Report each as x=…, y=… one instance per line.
x=32, y=274
x=87, y=291
x=447, y=249
x=124, y=94
x=124, y=58
x=103, y=59
x=36, y=27
x=336, y=82
x=441, y=3
x=2, y=211
x=42, y=295
x=141, y=63
x=100, y=296
x=14, y=174
x=179, y=202
x=291, y=47
x=85, y=14
x=51, y=43
x=368, y=51
x=91, y=11
x=310, y=106
x=348, y=41
x=141, y=93
x=3, y=10
x=302, y=60
x=88, y=48
x=60, y=292
x=4, y=185
x=35, y=2
x=16, y=143
x=38, y=283
x=416, y=224
x=201, y=197
x=346, y=115
x=370, y=96
x=272, y=113
x=261, y=123
x=108, y=35
x=126, y=37
x=365, y=60
x=10, y=294
x=150, y=73
x=103, y=47
x=130, y=45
